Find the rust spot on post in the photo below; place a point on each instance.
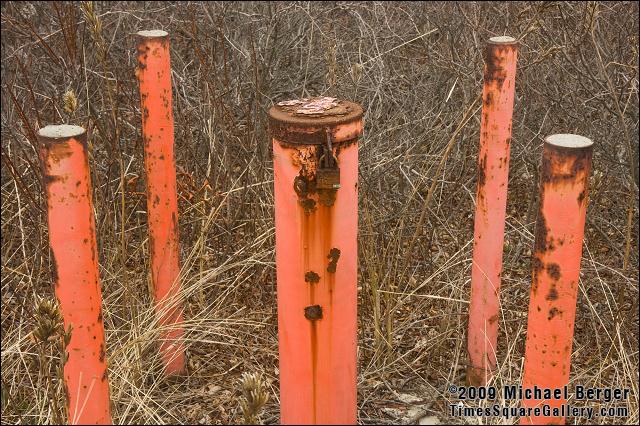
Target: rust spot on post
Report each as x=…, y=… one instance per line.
x=334, y=255
x=554, y=271
x=553, y=312
x=313, y=312
x=553, y=293
x=541, y=232
x=312, y=277
x=308, y=204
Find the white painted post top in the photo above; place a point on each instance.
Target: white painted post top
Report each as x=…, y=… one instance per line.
x=61, y=131
x=568, y=140
x=153, y=33
x=502, y=40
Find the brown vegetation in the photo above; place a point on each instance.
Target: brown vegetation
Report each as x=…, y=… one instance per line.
x=417, y=70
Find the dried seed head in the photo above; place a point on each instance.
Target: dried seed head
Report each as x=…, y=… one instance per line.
x=254, y=397
x=49, y=324
x=70, y=101
x=95, y=26
x=356, y=72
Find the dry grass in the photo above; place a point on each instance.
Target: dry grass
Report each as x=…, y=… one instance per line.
x=417, y=69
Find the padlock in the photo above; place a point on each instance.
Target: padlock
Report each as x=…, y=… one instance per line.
x=328, y=173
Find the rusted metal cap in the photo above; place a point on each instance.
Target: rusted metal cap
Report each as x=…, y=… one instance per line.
x=305, y=121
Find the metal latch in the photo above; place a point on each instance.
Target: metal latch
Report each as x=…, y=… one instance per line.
x=328, y=172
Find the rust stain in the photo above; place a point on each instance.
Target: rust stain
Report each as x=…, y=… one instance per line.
x=495, y=71
x=488, y=99
x=313, y=312
x=312, y=277
x=553, y=269
x=327, y=197
x=309, y=205
x=333, y=256
x=49, y=179
x=553, y=293
x=482, y=174
x=307, y=236
x=301, y=185
x=582, y=196
x=565, y=165
x=57, y=149
x=314, y=366
x=553, y=312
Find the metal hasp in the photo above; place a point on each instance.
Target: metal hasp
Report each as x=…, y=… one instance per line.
x=154, y=75
x=74, y=251
x=564, y=188
x=491, y=202
x=316, y=218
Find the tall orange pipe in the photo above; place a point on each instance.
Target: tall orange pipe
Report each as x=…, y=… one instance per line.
x=316, y=259
x=564, y=188
x=491, y=202
x=72, y=236
x=154, y=75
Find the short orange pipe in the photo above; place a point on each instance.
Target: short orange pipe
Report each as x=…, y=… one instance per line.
x=316, y=260
x=154, y=75
x=564, y=186
x=72, y=236
x=491, y=202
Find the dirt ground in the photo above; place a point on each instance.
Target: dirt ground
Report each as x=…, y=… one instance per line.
x=417, y=70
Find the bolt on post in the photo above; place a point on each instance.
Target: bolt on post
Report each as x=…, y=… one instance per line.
x=72, y=237
x=315, y=152
x=491, y=201
x=564, y=180
x=154, y=76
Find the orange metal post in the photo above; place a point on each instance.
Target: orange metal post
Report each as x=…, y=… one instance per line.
x=491, y=202
x=72, y=235
x=566, y=166
x=316, y=257
x=154, y=74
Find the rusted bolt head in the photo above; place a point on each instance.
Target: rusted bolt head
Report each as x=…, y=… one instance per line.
x=313, y=312
x=305, y=121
